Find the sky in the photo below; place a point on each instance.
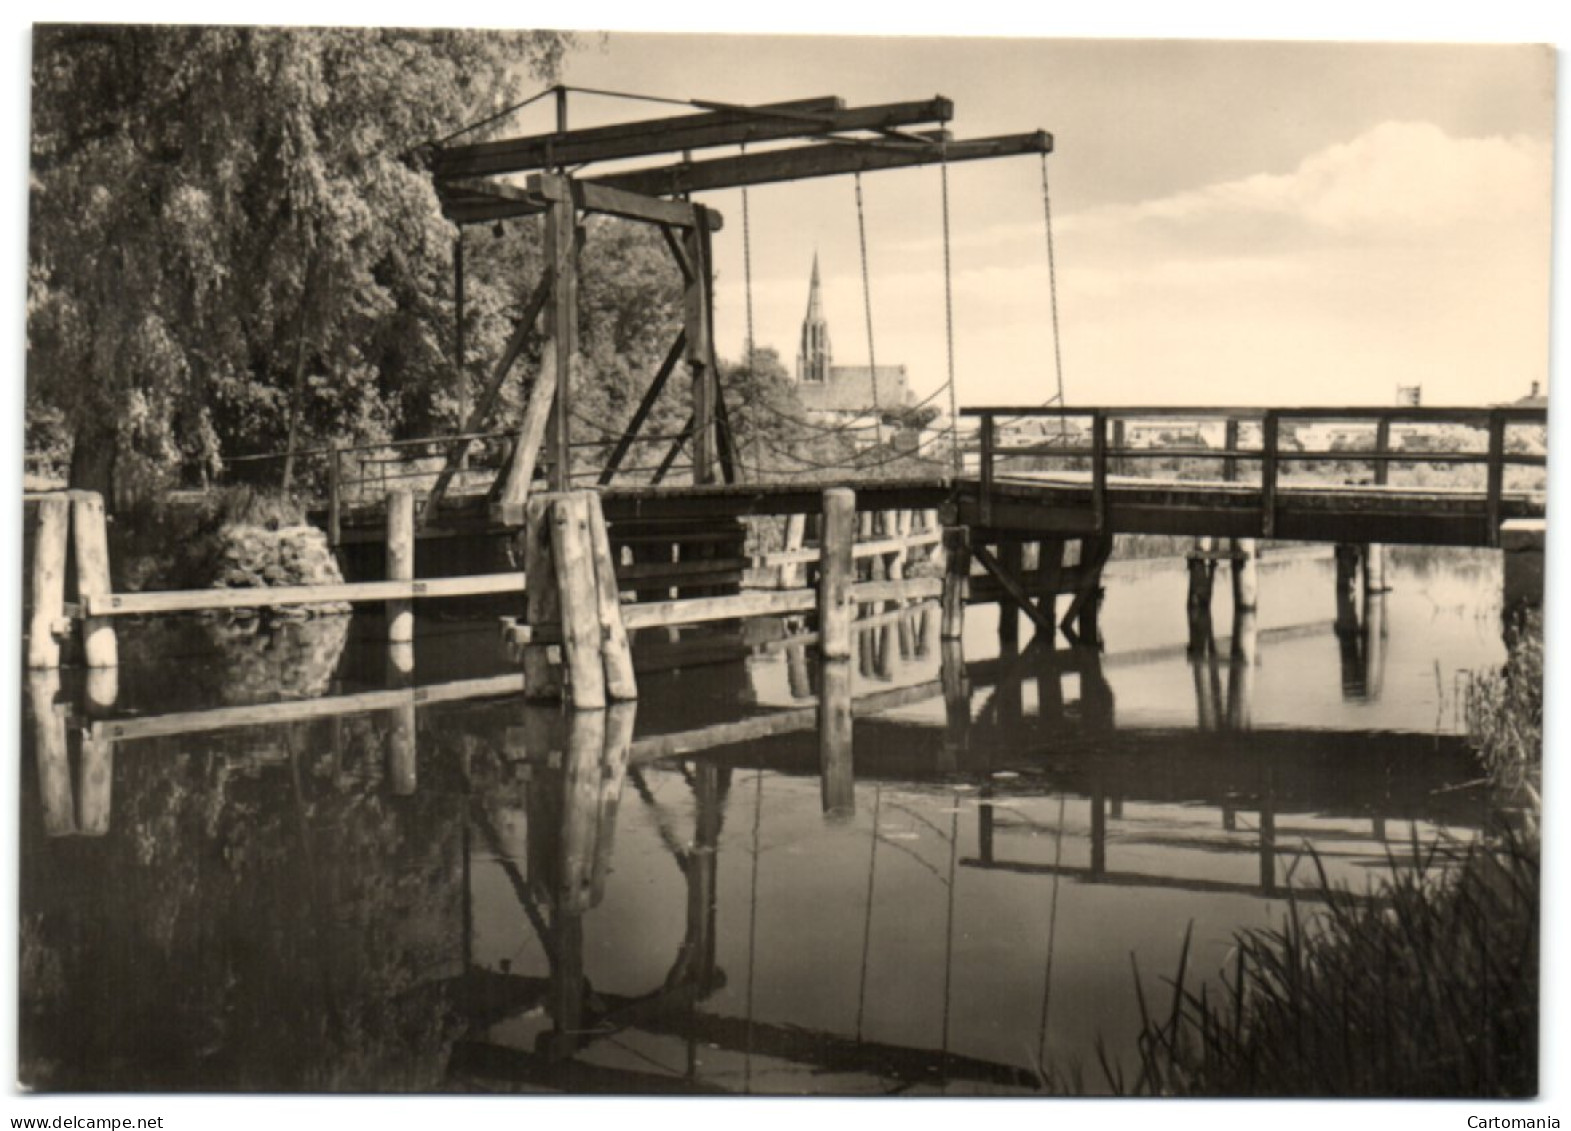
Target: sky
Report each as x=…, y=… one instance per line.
x=1232, y=222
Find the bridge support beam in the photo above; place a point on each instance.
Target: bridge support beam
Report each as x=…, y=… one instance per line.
x=1522, y=547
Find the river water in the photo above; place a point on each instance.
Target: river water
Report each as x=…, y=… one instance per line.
x=715, y=890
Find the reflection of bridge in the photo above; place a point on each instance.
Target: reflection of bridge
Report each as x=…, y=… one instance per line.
x=571, y=769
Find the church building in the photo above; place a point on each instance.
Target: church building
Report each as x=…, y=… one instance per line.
x=825, y=388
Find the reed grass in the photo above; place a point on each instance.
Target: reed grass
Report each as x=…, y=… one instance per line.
x=1426, y=985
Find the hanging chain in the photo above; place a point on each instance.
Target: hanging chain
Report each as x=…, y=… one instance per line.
x=956, y=458
x=1052, y=288
x=867, y=304
x=747, y=268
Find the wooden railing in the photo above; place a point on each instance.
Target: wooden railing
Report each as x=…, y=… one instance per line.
x=1098, y=440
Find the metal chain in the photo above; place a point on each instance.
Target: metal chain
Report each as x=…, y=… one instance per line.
x=1052, y=287
x=747, y=269
x=867, y=304
x=956, y=459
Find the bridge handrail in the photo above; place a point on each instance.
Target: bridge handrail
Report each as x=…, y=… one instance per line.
x=1494, y=421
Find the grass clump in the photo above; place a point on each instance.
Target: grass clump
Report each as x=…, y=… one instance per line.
x=1425, y=986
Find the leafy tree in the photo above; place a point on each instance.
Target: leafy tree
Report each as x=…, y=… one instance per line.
x=228, y=249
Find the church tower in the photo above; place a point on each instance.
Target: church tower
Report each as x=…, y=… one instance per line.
x=813, y=356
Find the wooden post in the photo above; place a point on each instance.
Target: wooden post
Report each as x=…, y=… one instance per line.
x=561, y=244
x=47, y=582
x=49, y=747
x=837, y=774
x=1099, y=472
x=91, y=538
x=617, y=656
x=695, y=313
x=986, y=468
x=1010, y=556
x=957, y=704
x=1495, y=476
x=1050, y=574
x=1246, y=575
x=836, y=574
x=572, y=555
x=400, y=561
x=543, y=606
x=1382, y=446
x=1268, y=449
x=1346, y=578
x=957, y=584
x=790, y=575
x=1374, y=555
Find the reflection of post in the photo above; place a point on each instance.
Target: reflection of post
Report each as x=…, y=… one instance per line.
x=1375, y=568
x=401, y=731
x=1098, y=831
x=1205, y=709
x=926, y=631
x=94, y=786
x=1241, y=670
x=1347, y=634
x=957, y=705
x=702, y=879
x=1267, y=832
x=797, y=676
x=1097, y=705
x=1374, y=642
x=984, y=830
x=1049, y=681
x=580, y=810
x=613, y=770
x=836, y=774
x=884, y=668
x=103, y=688
x=49, y=743
x=1008, y=694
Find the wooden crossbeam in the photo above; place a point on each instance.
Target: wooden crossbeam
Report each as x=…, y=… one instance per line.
x=730, y=126
x=1013, y=587
x=645, y=406
x=487, y=403
x=826, y=160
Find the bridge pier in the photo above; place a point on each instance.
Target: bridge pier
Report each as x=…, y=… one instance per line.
x=1522, y=548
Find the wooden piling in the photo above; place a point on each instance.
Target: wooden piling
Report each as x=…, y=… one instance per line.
x=543, y=607
x=573, y=559
x=957, y=574
x=90, y=534
x=790, y=573
x=1011, y=556
x=837, y=775
x=47, y=582
x=616, y=655
x=400, y=561
x=1246, y=575
x=957, y=704
x=836, y=574
x=1374, y=555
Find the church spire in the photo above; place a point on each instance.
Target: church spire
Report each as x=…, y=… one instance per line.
x=813, y=357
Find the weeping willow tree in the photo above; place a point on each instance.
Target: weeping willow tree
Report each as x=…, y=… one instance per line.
x=229, y=248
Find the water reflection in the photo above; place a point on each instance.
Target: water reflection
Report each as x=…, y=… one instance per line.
x=915, y=871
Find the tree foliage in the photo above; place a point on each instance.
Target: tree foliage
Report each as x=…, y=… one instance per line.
x=226, y=238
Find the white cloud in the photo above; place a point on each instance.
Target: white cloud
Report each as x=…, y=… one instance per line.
x=1398, y=180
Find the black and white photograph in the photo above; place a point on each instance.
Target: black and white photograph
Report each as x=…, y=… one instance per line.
x=720, y=564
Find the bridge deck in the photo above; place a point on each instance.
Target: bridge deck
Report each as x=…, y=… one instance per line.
x=1063, y=503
